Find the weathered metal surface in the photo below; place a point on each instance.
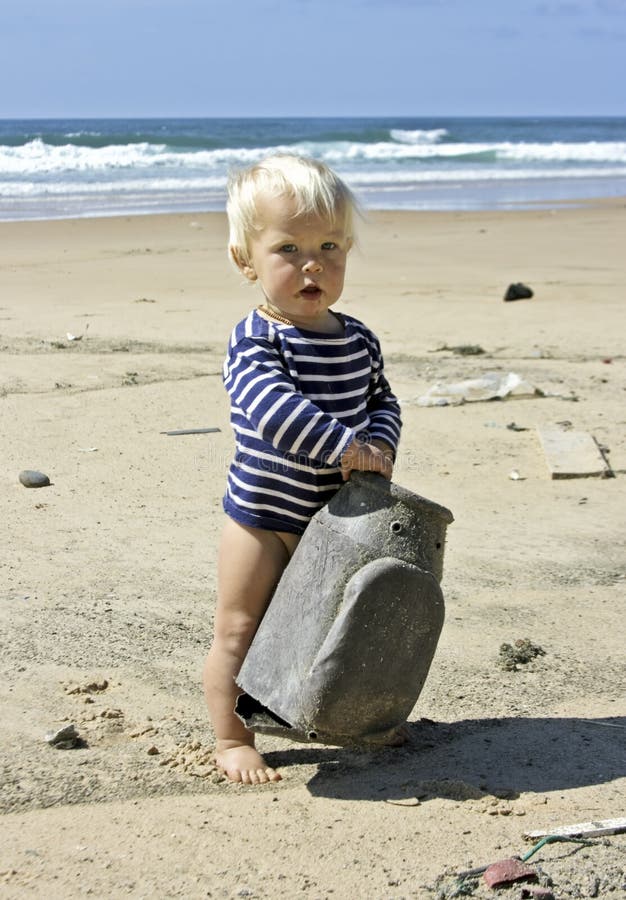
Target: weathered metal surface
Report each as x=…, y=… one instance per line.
x=345, y=646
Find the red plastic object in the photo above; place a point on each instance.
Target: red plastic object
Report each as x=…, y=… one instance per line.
x=506, y=871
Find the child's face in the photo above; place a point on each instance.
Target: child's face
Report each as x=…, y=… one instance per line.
x=299, y=261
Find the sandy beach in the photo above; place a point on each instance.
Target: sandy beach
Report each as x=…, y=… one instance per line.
x=108, y=574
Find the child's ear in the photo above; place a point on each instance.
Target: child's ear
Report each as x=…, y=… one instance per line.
x=242, y=263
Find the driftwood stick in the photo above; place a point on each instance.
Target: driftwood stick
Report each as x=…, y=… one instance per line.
x=582, y=829
x=191, y=431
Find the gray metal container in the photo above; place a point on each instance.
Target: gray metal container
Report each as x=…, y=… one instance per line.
x=345, y=646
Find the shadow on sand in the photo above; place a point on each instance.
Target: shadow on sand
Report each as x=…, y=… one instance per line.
x=510, y=755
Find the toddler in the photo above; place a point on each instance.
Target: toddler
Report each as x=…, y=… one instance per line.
x=309, y=403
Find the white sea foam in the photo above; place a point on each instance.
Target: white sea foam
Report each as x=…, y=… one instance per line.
x=359, y=180
x=419, y=136
x=80, y=188
x=37, y=158
x=591, y=151
x=388, y=179
x=408, y=168
x=610, y=152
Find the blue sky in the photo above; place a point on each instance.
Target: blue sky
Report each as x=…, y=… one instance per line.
x=75, y=58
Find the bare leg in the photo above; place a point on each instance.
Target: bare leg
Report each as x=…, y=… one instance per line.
x=250, y=564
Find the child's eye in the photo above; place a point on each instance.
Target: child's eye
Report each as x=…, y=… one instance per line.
x=288, y=248
x=329, y=245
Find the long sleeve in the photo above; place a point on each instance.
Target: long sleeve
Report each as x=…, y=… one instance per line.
x=382, y=407
x=262, y=390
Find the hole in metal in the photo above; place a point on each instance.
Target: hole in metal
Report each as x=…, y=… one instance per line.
x=395, y=527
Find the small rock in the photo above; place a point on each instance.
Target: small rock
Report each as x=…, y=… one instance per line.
x=111, y=714
x=517, y=291
x=91, y=687
x=538, y=893
x=65, y=738
x=152, y=751
x=31, y=478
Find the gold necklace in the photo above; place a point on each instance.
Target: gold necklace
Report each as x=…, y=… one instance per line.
x=269, y=312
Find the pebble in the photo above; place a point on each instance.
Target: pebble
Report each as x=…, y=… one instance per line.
x=30, y=478
x=65, y=738
x=111, y=714
x=518, y=291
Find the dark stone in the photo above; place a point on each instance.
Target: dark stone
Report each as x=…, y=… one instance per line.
x=30, y=478
x=517, y=291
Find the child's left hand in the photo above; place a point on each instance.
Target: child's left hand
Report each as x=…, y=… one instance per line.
x=375, y=456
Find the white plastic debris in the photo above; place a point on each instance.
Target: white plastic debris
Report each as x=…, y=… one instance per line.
x=490, y=386
x=77, y=337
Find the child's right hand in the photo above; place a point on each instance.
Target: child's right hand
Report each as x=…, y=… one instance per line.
x=365, y=458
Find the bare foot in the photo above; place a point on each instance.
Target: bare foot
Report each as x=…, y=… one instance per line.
x=243, y=764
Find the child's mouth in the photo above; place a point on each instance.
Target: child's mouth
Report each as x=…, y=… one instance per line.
x=311, y=292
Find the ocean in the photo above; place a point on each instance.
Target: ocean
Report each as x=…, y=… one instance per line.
x=57, y=168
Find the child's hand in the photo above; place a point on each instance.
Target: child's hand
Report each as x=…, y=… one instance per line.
x=374, y=457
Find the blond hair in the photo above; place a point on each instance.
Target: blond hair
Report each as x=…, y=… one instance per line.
x=316, y=189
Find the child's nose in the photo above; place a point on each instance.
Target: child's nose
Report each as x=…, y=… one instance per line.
x=312, y=265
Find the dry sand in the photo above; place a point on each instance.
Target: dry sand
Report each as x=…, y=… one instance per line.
x=109, y=573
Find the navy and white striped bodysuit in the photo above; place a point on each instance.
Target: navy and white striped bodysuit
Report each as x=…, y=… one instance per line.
x=298, y=398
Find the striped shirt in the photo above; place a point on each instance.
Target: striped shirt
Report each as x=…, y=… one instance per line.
x=298, y=399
